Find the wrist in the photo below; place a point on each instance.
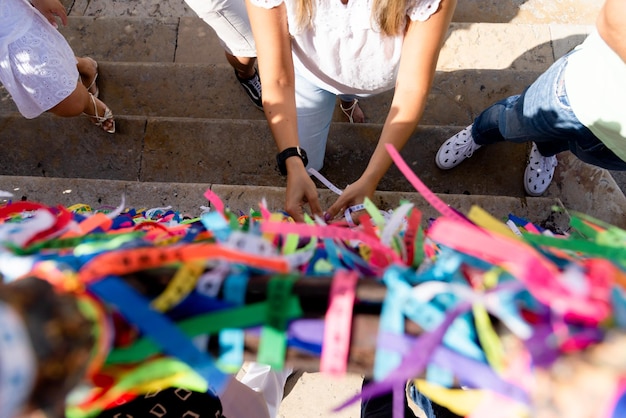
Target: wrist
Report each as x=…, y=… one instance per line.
x=372, y=176
x=289, y=157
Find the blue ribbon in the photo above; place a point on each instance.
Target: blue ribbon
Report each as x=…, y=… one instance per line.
x=136, y=309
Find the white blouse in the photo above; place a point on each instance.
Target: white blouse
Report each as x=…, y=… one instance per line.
x=343, y=51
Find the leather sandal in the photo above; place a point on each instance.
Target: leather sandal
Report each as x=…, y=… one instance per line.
x=98, y=120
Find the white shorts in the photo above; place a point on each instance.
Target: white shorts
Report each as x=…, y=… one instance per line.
x=38, y=69
x=229, y=20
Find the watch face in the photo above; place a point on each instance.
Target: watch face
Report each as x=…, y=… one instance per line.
x=303, y=155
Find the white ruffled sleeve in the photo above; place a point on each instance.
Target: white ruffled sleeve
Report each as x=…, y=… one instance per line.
x=418, y=9
x=266, y=4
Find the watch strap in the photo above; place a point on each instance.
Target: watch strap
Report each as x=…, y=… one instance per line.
x=282, y=157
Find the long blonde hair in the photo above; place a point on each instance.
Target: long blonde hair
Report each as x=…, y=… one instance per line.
x=389, y=15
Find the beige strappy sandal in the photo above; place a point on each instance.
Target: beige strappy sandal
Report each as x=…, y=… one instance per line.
x=98, y=120
x=349, y=111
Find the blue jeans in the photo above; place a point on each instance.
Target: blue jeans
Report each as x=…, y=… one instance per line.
x=315, y=107
x=542, y=114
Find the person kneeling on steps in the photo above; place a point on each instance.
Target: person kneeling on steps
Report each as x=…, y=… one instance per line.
x=575, y=105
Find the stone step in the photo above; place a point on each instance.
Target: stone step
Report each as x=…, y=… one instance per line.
x=190, y=40
x=188, y=198
x=470, y=77
x=185, y=150
x=468, y=80
x=497, y=11
x=164, y=75
x=211, y=91
x=242, y=152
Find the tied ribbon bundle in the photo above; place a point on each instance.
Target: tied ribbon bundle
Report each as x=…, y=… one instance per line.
x=494, y=301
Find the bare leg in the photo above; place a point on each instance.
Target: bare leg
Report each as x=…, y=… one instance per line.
x=80, y=102
x=88, y=70
x=243, y=65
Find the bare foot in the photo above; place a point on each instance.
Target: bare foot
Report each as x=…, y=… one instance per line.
x=352, y=111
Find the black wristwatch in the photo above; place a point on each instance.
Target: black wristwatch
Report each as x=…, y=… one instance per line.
x=287, y=153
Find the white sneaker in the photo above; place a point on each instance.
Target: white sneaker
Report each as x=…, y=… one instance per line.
x=456, y=149
x=539, y=172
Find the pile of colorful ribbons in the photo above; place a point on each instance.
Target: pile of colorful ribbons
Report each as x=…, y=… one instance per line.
x=468, y=282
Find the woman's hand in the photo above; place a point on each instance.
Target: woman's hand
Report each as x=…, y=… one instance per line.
x=420, y=51
x=51, y=9
x=352, y=195
x=301, y=190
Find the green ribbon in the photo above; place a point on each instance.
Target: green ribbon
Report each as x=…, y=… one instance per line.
x=587, y=247
x=242, y=317
x=273, y=345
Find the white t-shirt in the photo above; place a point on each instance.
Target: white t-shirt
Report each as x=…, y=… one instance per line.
x=595, y=80
x=342, y=52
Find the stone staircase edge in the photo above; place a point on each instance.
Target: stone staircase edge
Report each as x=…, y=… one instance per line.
x=189, y=197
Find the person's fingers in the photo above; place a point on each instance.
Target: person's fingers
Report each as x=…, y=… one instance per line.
x=314, y=205
x=298, y=216
x=295, y=211
x=333, y=210
x=62, y=14
x=51, y=10
x=54, y=13
x=58, y=12
x=51, y=18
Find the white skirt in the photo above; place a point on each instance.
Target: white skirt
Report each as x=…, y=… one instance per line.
x=38, y=69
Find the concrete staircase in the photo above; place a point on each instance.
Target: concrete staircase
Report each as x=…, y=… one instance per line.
x=185, y=125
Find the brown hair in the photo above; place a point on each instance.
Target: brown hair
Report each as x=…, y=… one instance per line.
x=61, y=338
x=389, y=15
